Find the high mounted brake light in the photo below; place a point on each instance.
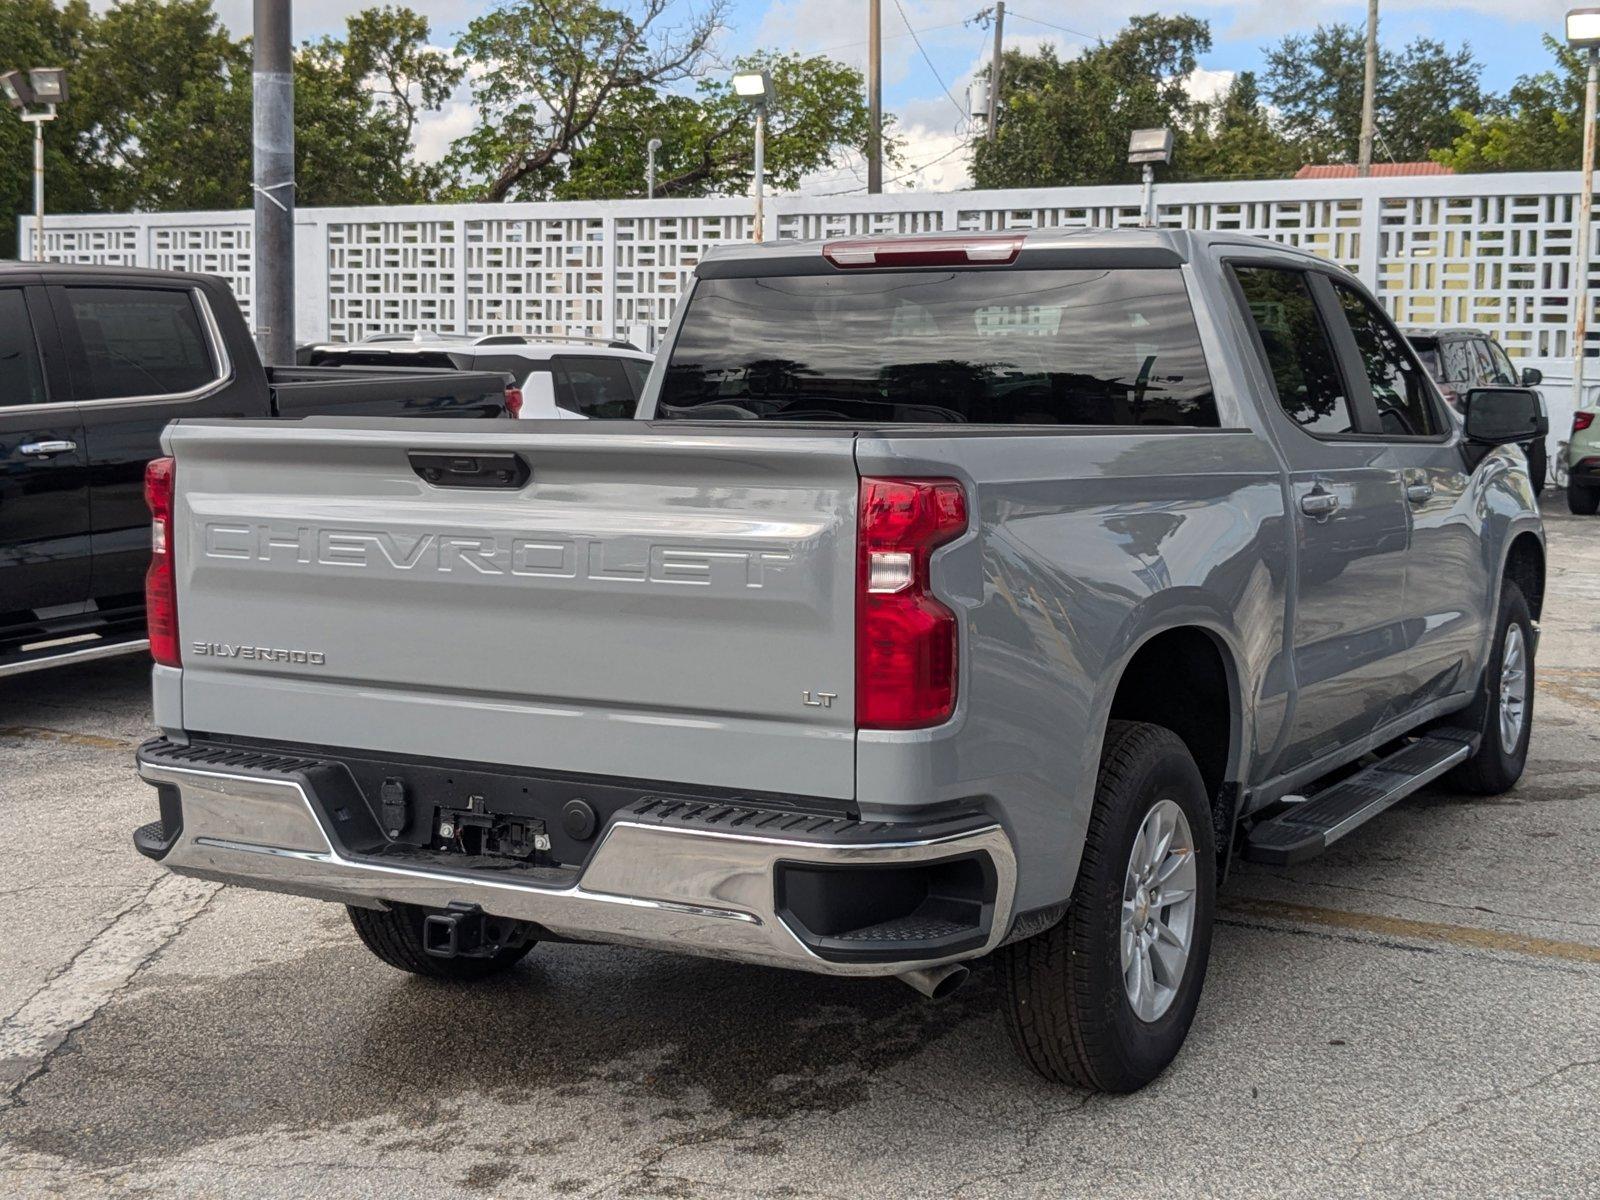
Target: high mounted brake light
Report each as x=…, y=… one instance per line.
x=980, y=250
x=905, y=637
x=160, y=581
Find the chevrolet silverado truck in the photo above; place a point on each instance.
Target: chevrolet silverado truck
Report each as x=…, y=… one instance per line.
x=94, y=361
x=955, y=597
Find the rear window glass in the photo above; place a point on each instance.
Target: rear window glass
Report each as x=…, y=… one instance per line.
x=1035, y=347
x=381, y=358
x=138, y=342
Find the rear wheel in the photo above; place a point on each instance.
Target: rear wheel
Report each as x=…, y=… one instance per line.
x=1582, y=499
x=1504, y=706
x=395, y=936
x=1105, y=998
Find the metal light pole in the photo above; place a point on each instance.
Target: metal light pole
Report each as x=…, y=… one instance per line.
x=37, y=120
x=1369, y=88
x=1583, y=33
x=273, y=180
x=650, y=149
x=35, y=98
x=874, y=97
x=755, y=89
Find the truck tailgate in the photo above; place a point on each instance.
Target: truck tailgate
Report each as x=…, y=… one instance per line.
x=651, y=604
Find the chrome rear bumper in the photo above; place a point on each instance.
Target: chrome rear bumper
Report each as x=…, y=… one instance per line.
x=694, y=890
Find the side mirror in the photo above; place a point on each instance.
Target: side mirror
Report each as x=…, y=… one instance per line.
x=1532, y=377
x=1499, y=416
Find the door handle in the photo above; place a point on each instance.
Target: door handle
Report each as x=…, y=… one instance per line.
x=1419, y=493
x=1318, y=503
x=47, y=449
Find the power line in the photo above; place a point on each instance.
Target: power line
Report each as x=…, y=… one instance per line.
x=956, y=149
x=906, y=21
x=909, y=32
x=1093, y=37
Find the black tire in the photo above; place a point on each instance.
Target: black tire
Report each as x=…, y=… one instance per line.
x=1496, y=768
x=395, y=936
x=1582, y=500
x=1065, y=1004
x=1538, y=466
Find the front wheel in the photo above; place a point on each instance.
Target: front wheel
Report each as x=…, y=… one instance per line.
x=1504, y=705
x=1104, y=999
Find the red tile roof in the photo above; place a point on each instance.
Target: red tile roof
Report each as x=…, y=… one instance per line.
x=1379, y=170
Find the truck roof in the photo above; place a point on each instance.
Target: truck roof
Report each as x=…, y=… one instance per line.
x=1185, y=244
x=10, y=268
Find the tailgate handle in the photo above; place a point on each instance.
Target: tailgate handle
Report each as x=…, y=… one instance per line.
x=471, y=470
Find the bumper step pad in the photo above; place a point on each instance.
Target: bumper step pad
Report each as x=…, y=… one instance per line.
x=1311, y=826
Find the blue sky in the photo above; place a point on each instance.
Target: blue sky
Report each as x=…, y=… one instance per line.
x=1505, y=35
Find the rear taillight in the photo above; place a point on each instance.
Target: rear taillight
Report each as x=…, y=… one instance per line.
x=514, y=401
x=1581, y=421
x=160, y=583
x=905, y=638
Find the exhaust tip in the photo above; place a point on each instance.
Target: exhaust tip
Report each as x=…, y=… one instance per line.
x=936, y=982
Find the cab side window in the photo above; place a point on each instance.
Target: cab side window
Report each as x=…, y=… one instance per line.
x=1398, y=387
x=138, y=342
x=598, y=388
x=1299, y=355
x=21, y=379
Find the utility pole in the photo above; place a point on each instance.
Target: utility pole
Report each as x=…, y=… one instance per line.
x=273, y=180
x=650, y=149
x=994, y=68
x=874, y=97
x=1369, y=88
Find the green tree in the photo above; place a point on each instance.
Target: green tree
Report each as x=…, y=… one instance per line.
x=551, y=71
x=1066, y=121
x=1538, y=126
x=1315, y=82
x=1235, y=137
x=159, y=110
x=707, y=140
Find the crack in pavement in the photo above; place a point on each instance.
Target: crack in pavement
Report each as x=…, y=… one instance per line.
x=1468, y=1105
x=75, y=994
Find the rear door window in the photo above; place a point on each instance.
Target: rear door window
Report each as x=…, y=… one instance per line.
x=598, y=388
x=1010, y=347
x=1299, y=355
x=1398, y=387
x=1458, y=365
x=138, y=342
x=21, y=377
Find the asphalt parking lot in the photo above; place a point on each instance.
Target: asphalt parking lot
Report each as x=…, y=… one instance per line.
x=1418, y=1012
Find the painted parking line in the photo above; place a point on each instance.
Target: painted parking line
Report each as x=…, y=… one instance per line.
x=72, y=997
x=65, y=737
x=1464, y=936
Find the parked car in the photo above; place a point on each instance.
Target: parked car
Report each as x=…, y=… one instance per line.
x=1462, y=359
x=560, y=377
x=1583, y=463
x=956, y=596
x=93, y=363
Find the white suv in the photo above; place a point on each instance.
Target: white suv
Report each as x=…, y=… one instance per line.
x=559, y=377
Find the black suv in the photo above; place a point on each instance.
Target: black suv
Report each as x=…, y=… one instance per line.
x=1462, y=359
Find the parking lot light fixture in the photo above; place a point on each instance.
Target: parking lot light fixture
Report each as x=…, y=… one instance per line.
x=755, y=89
x=15, y=88
x=1146, y=148
x=1583, y=33
x=49, y=85
x=34, y=96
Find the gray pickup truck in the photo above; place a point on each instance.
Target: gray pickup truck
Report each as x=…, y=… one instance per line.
x=954, y=597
